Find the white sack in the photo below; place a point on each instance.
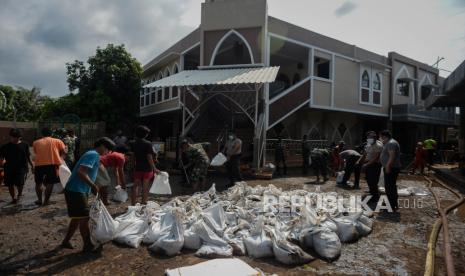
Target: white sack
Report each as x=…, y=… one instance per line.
x=102, y=226
x=132, y=232
x=161, y=184
x=159, y=228
x=218, y=160
x=212, y=245
x=64, y=173
x=290, y=254
x=259, y=244
x=214, y=251
x=340, y=176
x=192, y=240
x=215, y=218
x=346, y=229
x=172, y=242
x=120, y=195
x=132, y=227
x=323, y=241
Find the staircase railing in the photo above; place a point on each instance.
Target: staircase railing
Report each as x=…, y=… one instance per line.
x=288, y=101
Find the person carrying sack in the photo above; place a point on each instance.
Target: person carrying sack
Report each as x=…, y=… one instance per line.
x=80, y=184
x=233, y=152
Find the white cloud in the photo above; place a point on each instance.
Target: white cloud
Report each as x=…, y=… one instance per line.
x=39, y=36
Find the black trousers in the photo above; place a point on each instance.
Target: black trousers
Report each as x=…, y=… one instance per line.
x=350, y=168
x=390, y=184
x=233, y=169
x=280, y=160
x=320, y=166
x=372, y=174
x=430, y=156
x=305, y=161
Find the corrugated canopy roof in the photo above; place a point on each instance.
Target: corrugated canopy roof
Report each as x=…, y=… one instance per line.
x=218, y=76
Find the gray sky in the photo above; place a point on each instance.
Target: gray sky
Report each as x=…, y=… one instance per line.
x=39, y=36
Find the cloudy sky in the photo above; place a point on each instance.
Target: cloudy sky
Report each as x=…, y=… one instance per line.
x=37, y=37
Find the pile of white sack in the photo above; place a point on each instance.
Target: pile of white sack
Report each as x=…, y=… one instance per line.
x=233, y=223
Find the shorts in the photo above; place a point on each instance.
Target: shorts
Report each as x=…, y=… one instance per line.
x=47, y=174
x=77, y=204
x=143, y=175
x=14, y=179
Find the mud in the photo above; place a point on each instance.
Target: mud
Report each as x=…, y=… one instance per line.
x=397, y=246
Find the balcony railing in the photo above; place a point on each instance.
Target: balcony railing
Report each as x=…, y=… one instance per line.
x=413, y=113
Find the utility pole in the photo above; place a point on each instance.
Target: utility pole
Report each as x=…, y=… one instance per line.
x=436, y=64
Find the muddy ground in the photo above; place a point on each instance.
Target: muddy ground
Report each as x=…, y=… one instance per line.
x=29, y=236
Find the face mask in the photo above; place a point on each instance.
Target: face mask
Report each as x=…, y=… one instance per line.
x=370, y=141
x=230, y=137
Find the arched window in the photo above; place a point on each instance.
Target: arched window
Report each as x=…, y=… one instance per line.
x=232, y=49
x=175, y=92
x=152, y=94
x=365, y=87
x=159, y=90
x=166, y=90
x=377, y=82
x=365, y=79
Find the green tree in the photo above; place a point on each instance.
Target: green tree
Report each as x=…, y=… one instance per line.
x=108, y=85
x=29, y=104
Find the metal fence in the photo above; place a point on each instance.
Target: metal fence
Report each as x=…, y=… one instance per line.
x=87, y=132
x=292, y=147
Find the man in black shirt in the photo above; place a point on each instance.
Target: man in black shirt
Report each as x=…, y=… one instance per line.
x=305, y=155
x=145, y=169
x=280, y=156
x=17, y=156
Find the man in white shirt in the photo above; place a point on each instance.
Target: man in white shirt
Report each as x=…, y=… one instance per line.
x=370, y=163
x=233, y=150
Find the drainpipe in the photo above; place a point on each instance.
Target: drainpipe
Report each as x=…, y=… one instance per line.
x=462, y=139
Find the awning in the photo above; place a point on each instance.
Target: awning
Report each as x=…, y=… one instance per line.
x=408, y=79
x=431, y=85
x=218, y=77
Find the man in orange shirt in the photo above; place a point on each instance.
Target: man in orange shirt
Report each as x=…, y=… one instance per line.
x=48, y=156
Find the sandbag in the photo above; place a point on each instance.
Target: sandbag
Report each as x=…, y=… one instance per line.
x=214, y=251
x=102, y=226
x=290, y=254
x=64, y=174
x=259, y=244
x=323, y=241
x=132, y=228
x=159, y=228
x=236, y=241
x=366, y=220
x=346, y=229
x=215, y=218
x=161, y=184
x=120, y=194
x=212, y=245
x=172, y=242
x=192, y=240
x=218, y=160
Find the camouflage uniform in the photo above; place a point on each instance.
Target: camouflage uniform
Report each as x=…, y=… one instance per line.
x=199, y=160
